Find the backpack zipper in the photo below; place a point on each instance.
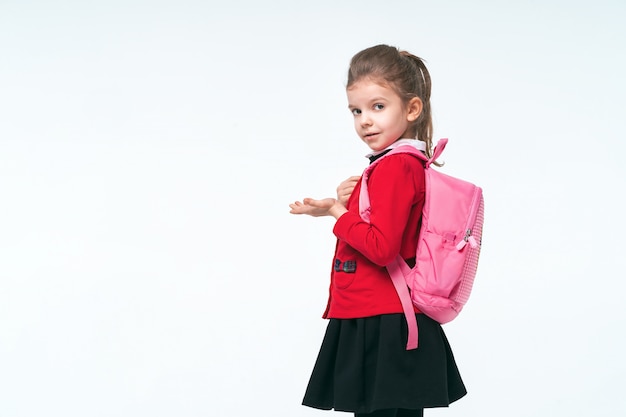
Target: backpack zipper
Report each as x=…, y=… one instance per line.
x=468, y=238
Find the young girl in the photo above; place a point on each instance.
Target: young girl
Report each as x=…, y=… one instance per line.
x=363, y=365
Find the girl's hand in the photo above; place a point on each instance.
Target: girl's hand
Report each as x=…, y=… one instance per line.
x=344, y=190
x=318, y=208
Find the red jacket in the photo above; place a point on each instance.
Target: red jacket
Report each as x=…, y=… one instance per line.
x=360, y=285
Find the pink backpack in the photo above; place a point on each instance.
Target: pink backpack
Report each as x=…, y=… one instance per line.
x=448, y=248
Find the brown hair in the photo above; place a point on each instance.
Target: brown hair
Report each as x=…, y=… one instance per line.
x=406, y=74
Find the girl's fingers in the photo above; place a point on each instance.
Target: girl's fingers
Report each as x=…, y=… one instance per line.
x=297, y=208
x=311, y=202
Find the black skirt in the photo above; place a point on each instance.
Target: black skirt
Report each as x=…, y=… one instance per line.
x=363, y=366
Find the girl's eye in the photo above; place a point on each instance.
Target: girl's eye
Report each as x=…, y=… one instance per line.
x=379, y=106
x=356, y=112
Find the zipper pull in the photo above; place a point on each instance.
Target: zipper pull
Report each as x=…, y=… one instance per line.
x=467, y=238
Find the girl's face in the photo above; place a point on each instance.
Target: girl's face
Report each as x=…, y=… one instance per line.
x=380, y=116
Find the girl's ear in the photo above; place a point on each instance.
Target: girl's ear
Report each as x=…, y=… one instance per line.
x=414, y=109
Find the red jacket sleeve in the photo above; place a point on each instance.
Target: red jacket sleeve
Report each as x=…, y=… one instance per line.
x=394, y=189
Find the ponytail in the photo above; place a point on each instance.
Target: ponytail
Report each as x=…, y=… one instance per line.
x=422, y=90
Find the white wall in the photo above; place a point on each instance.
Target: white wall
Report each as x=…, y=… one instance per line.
x=149, y=151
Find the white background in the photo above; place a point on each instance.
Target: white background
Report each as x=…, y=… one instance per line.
x=149, y=151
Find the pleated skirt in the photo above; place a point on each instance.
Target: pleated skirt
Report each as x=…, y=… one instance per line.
x=363, y=366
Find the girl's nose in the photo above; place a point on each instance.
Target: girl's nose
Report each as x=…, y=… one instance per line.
x=365, y=120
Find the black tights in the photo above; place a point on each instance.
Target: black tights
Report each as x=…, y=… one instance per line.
x=393, y=412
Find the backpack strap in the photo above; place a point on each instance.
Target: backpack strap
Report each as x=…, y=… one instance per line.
x=364, y=197
x=398, y=269
x=399, y=282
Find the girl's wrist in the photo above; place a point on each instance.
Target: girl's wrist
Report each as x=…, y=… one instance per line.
x=337, y=209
